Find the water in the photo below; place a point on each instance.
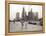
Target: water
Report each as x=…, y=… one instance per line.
x=17, y=26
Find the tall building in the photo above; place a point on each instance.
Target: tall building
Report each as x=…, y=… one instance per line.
x=31, y=15
x=36, y=17
x=23, y=14
x=17, y=16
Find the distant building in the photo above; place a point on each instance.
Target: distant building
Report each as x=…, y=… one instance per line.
x=17, y=16
x=23, y=14
x=36, y=16
x=30, y=15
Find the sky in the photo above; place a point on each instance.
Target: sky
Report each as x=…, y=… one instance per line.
x=14, y=8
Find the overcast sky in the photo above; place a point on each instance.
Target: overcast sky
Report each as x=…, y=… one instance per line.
x=18, y=8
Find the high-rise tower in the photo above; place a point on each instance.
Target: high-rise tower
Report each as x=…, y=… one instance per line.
x=23, y=14
x=30, y=15
x=17, y=16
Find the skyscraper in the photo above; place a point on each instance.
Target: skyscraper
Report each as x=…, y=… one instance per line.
x=23, y=14
x=17, y=16
x=36, y=16
x=31, y=15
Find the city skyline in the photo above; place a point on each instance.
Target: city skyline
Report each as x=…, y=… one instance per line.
x=24, y=16
x=14, y=11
